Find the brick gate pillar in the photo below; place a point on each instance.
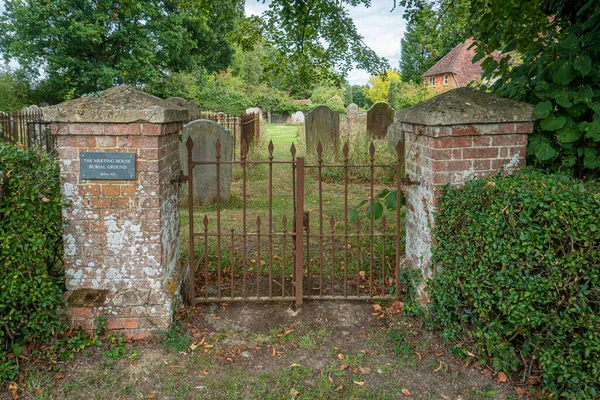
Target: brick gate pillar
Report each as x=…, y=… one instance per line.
x=454, y=137
x=118, y=155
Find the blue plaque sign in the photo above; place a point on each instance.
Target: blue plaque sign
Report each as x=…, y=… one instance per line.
x=119, y=166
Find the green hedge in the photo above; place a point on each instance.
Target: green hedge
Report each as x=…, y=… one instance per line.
x=31, y=276
x=519, y=276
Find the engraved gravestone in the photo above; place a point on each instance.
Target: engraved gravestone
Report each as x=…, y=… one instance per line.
x=379, y=117
x=111, y=166
x=322, y=124
x=351, y=113
x=204, y=134
x=297, y=118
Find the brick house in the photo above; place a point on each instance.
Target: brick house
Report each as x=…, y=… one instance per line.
x=454, y=70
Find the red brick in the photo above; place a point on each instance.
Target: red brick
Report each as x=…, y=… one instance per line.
x=122, y=129
x=465, y=130
x=152, y=129
x=113, y=323
x=128, y=190
x=67, y=153
x=457, y=154
x=504, y=152
x=77, y=141
x=130, y=323
x=438, y=131
x=482, y=141
x=151, y=202
x=524, y=127
x=119, y=202
x=106, y=141
x=92, y=190
x=476, y=153
x=452, y=165
x=509, y=140
x=482, y=165
x=100, y=203
x=86, y=129
x=139, y=335
x=150, y=154
x=147, y=166
x=111, y=190
x=81, y=312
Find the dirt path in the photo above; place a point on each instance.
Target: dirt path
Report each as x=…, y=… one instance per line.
x=326, y=350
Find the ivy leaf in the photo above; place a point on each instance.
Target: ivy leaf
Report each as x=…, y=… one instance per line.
x=563, y=72
x=553, y=124
x=382, y=193
x=543, y=109
x=353, y=215
x=583, y=64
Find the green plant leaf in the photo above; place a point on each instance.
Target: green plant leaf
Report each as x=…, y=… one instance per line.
x=583, y=64
x=543, y=109
x=390, y=201
x=377, y=211
x=563, y=72
x=591, y=159
x=552, y=124
x=568, y=135
x=544, y=151
x=562, y=101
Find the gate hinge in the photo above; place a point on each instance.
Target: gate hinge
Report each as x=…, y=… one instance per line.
x=180, y=179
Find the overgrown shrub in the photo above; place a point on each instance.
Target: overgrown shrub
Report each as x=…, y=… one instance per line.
x=519, y=276
x=31, y=277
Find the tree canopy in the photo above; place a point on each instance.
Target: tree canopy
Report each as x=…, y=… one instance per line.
x=80, y=46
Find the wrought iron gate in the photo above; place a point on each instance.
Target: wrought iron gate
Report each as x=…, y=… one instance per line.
x=277, y=262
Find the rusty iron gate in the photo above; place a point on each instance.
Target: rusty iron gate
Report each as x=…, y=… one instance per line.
x=284, y=260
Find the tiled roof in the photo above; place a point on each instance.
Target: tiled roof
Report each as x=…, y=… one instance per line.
x=458, y=63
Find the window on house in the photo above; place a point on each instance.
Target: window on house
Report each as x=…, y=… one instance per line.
x=432, y=81
x=446, y=80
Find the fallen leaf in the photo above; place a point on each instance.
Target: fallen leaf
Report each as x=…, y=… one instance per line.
x=365, y=370
x=363, y=351
x=521, y=391
x=294, y=365
x=205, y=372
x=330, y=380
x=193, y=346
x=344, y=366
x=355, y=370
x=487, y=373
x=376, y=307
x=471, y=354
x=337, y=389
x=341, y=356
x=287, y=332
x=420, y=356
x=274, y=352
x=406, y=392
x=358, y=383
x=533, y=380
x=439, y=354
x=501, y=378
x=363, y=275
x=58, y=376
x=13, y=388
x=151, y=396
x=294, y=392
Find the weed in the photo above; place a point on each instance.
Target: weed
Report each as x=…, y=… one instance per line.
x=175, y=338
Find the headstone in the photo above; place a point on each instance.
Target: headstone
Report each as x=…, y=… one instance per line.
x=192, y=107
x=379, y=117
x=297, y=118
x=352, y=113
x=204, y=134
x=322, y=124
x=394, y=134
x=256, y=110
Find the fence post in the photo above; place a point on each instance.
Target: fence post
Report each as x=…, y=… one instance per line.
x=299, y=217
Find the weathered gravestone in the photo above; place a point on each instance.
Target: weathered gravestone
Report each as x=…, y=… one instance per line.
x=297, y=118
x=204, y=134
x=394, y=134
x=379, y=117
x=322, y=124
x=256, y=110
x=351, y=113
x=192, y=107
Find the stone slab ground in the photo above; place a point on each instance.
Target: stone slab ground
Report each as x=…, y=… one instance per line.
x=326, y=350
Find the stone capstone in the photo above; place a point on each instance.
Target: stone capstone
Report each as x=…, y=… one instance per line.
x=120, y=104
x=466, y=106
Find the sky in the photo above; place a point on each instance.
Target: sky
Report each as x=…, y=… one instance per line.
x=381, y=29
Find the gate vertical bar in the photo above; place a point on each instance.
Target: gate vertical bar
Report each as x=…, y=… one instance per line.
x=298, y=261
x=190, y=145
